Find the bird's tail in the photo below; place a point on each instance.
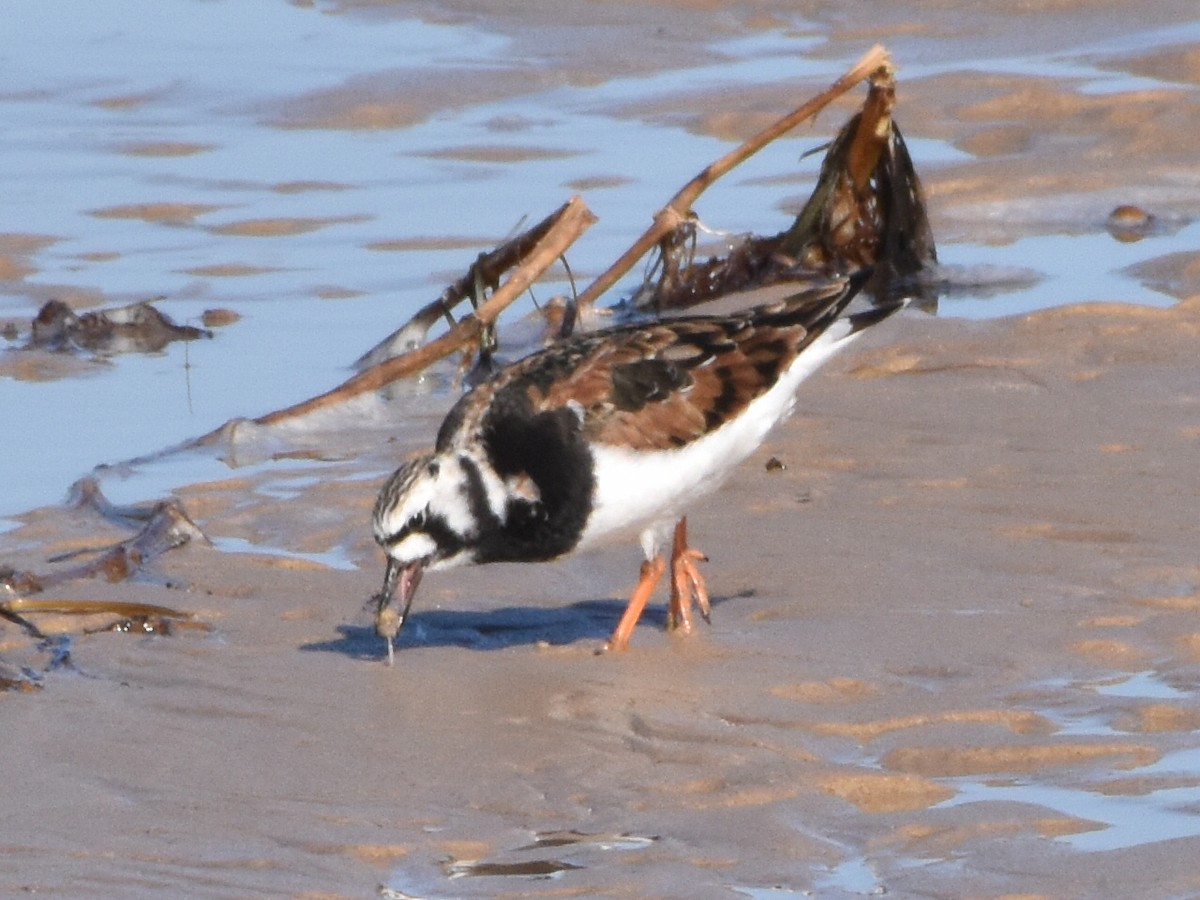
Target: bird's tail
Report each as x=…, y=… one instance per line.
x=817, y=308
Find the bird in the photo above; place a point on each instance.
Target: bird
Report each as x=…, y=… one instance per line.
x=611, y=431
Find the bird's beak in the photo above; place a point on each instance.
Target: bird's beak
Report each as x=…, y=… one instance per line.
x=405, y=578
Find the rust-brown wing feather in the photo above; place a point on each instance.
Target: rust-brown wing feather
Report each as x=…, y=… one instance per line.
x=654, y=386
x=672, y=383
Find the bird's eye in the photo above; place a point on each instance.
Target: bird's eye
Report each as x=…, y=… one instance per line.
x=417, y=522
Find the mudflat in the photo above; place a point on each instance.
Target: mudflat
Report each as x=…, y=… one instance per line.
x=954, y=648
x=954, y=651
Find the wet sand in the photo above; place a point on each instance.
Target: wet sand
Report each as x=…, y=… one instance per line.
x=978, y=528
x=954, y=650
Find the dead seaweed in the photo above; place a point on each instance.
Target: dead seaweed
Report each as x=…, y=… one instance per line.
x=161, y=526
x=866, y=211
x=136, y=328
x=678, y=210
x=148, y=618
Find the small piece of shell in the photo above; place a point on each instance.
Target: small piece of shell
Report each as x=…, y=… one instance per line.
x=387, y=622
x=1129, y=224
x=387, y=626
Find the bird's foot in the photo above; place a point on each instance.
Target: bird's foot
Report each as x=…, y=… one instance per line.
x=651, y=574
x=687, y=584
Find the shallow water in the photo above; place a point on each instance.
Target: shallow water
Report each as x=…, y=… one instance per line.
x=157, y=168
x=275, y=162
x=1158, y=810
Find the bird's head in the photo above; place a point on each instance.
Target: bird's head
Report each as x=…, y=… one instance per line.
x=422, y=520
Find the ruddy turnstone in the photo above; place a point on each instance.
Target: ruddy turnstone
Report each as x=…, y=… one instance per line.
x=607, y=431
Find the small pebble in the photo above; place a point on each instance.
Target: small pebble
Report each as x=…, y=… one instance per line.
x=1130, y=223
x=215, y=318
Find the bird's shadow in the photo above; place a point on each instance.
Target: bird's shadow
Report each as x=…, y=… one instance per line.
x=497, y=629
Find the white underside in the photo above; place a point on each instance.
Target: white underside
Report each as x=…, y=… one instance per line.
x=649, y=491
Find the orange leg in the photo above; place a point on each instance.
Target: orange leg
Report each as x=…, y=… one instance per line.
x=687, y=584
x=651, y=574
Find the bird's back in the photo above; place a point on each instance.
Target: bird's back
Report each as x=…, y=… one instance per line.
x=659, y=385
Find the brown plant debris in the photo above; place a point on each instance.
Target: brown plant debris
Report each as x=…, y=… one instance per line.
x=526, y=257
x=481, y=278
x=96, y=616
x=162, y=526
x=679, y=209
x=867, y=211
x=50, y=623
x=136, y=328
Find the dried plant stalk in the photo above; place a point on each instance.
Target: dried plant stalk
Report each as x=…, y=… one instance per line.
x=677, y=210
x=557, y=233
x=484, y=273
x=124, y=608
x=866, y=211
